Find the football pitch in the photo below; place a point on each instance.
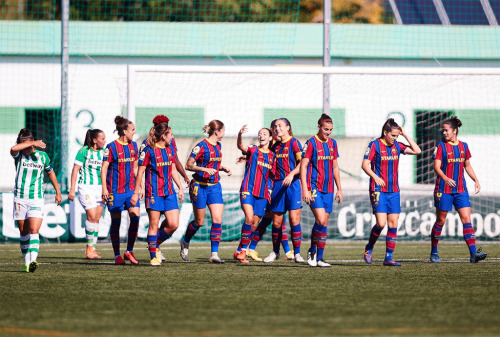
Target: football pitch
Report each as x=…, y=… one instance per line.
x=71, y=296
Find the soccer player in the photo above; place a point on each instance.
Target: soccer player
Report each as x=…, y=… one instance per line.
x=180, y=169
x=381, y=163
x=118, y=173
x=158, y=161
x=267, y=219
x=318, y=170
x=29, y=193
x=287, y=191
x=88, y=163
x=254, y=191
x=205, y=189
x=451, y=158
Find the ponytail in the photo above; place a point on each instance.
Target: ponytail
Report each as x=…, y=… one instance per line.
x=90, y=136
x=453, y=122
x=388, y=126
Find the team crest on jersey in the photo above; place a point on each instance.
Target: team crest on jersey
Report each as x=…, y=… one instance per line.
x=196, y=150
x=87, y=197
x=132, y=152
x=17, y=214
x=394, y=150
x=331, y=150
x=285, y=149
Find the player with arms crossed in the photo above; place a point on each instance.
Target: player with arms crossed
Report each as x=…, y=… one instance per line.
x=254, y=191
x=381, y=162
x=88, y=163
x=287, y=191
x=158, y=161
x=451, y=158
x=318, y=170
x=29, y=193
x=205, y=189
x=118, y=172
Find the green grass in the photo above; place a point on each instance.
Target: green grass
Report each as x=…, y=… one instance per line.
x=71, y=296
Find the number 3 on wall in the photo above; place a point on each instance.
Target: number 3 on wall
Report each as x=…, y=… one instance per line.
x=85, y=116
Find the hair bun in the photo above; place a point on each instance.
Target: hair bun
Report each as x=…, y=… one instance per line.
x=160, y=119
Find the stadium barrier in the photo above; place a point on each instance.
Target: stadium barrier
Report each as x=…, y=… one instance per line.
x=351, y=220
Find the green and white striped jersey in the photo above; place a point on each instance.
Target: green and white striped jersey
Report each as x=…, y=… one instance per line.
x=29, y=174
x=91, y=163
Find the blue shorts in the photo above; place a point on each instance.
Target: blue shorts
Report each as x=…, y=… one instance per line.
x=162, y=204
x=119, y=202
x=445, y=201
x=385, y=202
x=286, y=198
x=322, y=200
x=202, y=195
x=258, y=204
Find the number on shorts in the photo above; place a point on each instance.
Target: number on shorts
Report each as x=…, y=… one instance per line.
x=195, y=190
x=375, y=196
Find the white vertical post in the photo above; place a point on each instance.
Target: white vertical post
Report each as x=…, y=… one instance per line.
x=130, y=94
x=327, y=18
x=64, y=92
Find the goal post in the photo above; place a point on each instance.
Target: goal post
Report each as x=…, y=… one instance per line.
x=361, y=98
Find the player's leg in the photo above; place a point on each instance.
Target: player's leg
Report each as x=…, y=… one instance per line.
x=90, y=231
x=133, y=230
x=258, y=233
x=32, y=226
x=443, y=203
x=379, y=207
x=154, y=220
x=216, y=211
x=462, y=205
x=293, y=204
x=391, y=239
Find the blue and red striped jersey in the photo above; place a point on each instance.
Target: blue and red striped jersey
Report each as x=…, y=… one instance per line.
x=207, y=155
x=286, y=162
x=121, y=157
x=453, y=157
x=321, y=155
x=384, y=162
x=158, y=162
x=258, y=166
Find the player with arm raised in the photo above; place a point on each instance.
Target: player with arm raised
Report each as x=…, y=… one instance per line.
x=118, y=172
x=318, y=171
x=158, y=161
x=29, y=193
x=451, y=159
x=381, y=163
x=287, y=191
x=88, y=163
x=254, y=191
x=205, y=189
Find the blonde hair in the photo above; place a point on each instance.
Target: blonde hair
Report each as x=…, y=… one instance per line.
x=213, y=126
x=156, y=132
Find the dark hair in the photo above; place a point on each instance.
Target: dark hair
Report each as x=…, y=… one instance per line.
x=324, y=119
x=453, y=122
x=388, y=126
x=213, y=126
x=121, y=125
x=270, y=134
x=90, y=136
x=24, y=135
x=287, y=122
x=156, y=132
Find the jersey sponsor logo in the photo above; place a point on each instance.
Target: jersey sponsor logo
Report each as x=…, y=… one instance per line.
x=326, y=157
x=126, y=160
x=282, y=155
x=165, y=163
x=264, y=164
x=196, y=150
x=389, y=157
x=95, y=162
x=215, y=159
x=456, y=160
x=33, y=165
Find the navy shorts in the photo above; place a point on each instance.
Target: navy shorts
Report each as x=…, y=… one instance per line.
x=162, y=204
x=286, y=198
x=445, y=201
x=258, y=204
x=118, y=202
x=322, y=200
x=385, y=202
x=202, y=195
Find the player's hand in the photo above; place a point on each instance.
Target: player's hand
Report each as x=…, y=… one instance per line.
x=338, y=197
x=477, y=187
x=243, y=129
x=241, y=159
x=181, y=195
x=71, y=195
x=210, y=171
x=142, y=194
x=288, y=180
x=379, y=181
x=450, y=182
x=187, y=181
x=105, y=194
x=58, y=198
x=228, y=171
x=40, y=144
x=134, y=199
x=307, y=197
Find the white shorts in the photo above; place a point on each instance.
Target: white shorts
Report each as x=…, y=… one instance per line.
x=26, y=208
x=90, y=196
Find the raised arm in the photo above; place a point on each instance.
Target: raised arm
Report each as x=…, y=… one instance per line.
x=414, y=148
x=24, y=145
x=239, y=143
